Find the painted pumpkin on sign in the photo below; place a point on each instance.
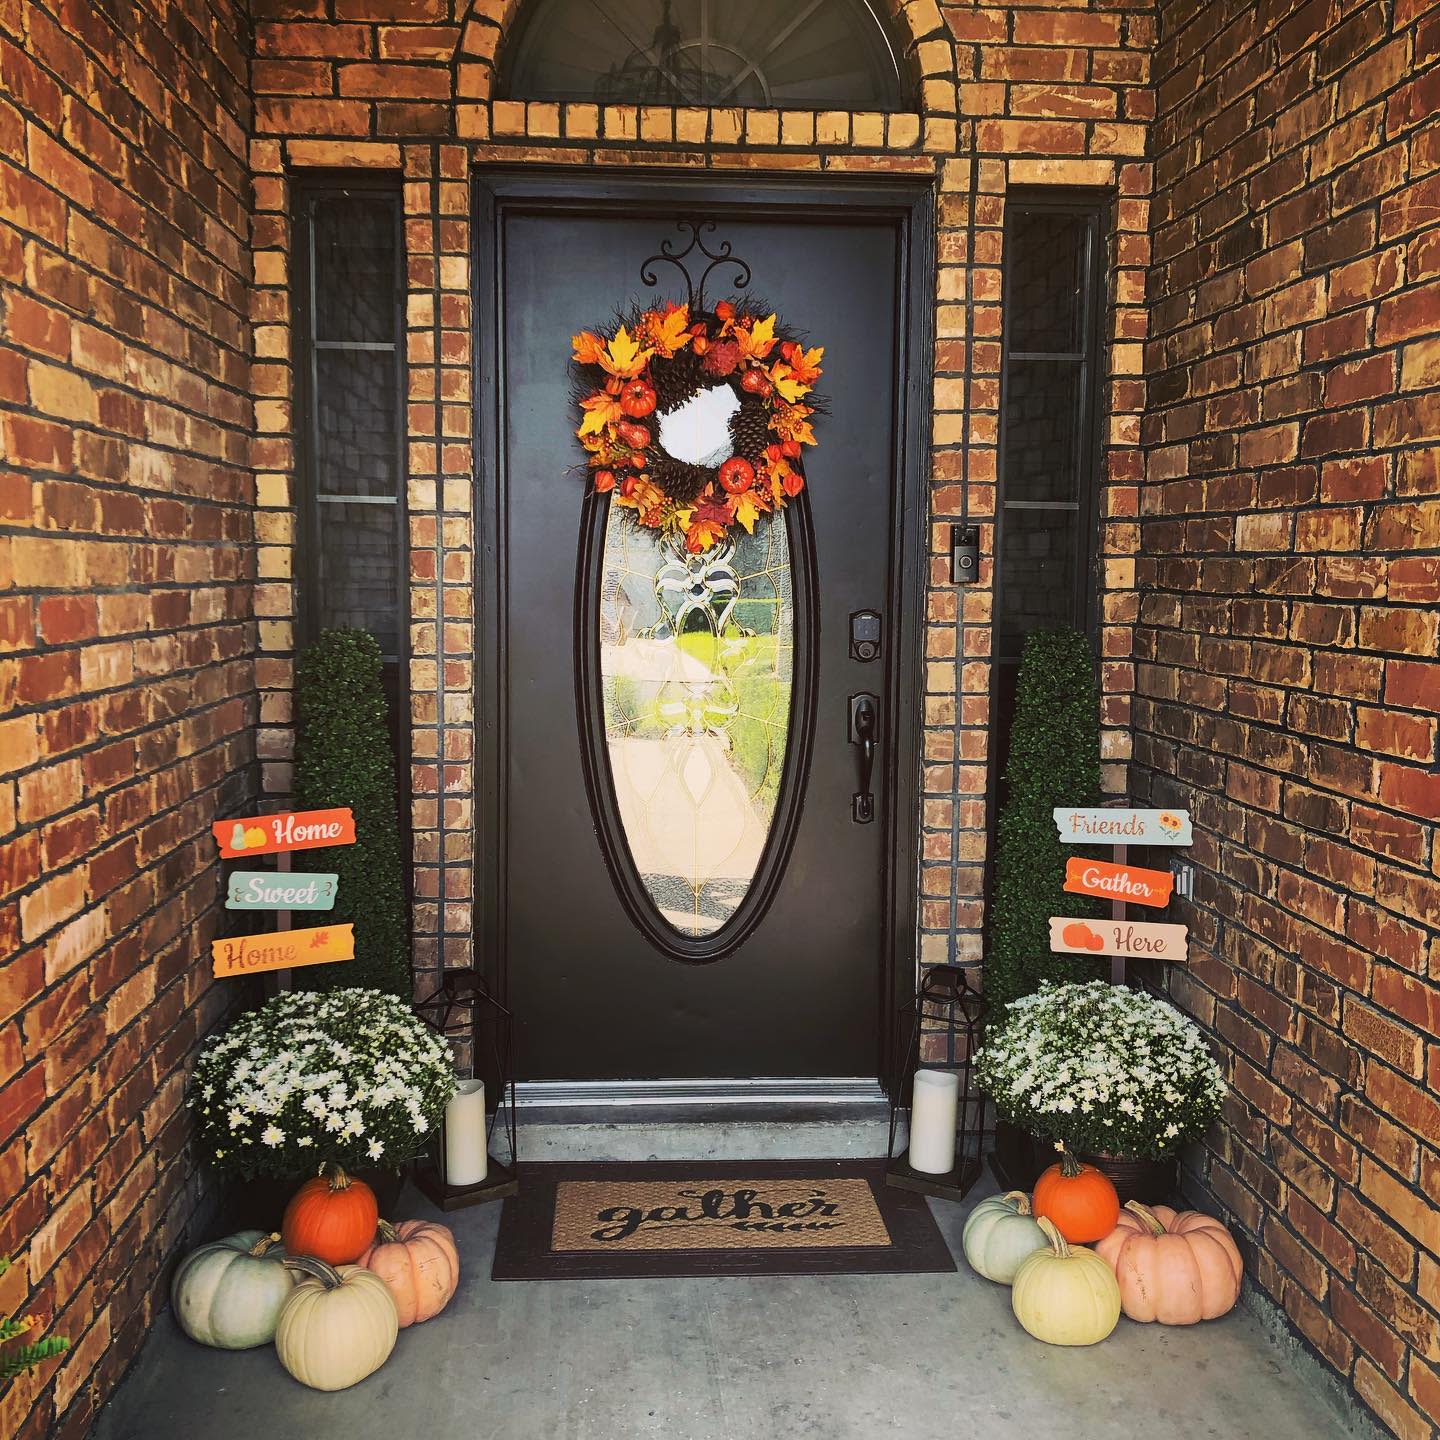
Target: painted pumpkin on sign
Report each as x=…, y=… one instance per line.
x=331, y=1217
x=999, y=1233
x=228, y=1294
x=419, y=1264
x=1175, y=1268
x=337, y=1327
x=1064, y=1295
x=1078, y=1198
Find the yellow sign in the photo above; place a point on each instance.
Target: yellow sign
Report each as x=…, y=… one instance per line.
x=282, y=950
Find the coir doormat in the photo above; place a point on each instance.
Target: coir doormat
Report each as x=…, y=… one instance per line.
x=751, y=1217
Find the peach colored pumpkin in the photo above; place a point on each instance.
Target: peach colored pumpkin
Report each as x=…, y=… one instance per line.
x=419, y=1264
x=1177, y=1268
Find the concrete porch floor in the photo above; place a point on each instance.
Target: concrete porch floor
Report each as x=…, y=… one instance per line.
x=930, y=1357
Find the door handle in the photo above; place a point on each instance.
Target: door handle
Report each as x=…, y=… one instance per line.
x=864, y=732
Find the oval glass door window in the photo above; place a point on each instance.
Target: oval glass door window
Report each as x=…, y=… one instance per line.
x=696, y=665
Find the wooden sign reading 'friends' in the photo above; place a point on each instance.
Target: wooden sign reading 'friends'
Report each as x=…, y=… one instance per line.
x=1131, y=938
x=1126, y=883
x=282, y=950
x=280, y=890
x=1108, y=826
x=280, y=834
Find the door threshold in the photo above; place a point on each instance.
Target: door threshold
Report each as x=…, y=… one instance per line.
x=649, y=1102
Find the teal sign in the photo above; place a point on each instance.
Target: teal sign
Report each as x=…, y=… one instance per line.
x=277, y=890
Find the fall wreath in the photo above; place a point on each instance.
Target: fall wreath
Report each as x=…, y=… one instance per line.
x=696, y=421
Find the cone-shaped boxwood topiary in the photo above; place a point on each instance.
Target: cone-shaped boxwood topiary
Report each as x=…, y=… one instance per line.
x=344, y=757
x=1054, y=760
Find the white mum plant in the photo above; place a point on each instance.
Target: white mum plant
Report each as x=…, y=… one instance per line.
x=350, y=1076
x=1107, y=1070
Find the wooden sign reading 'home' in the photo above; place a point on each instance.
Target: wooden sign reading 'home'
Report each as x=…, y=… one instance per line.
x=280, y=834
x=1126, y=883
x=1108, y=826
x=282, y=950
x=1069, y=936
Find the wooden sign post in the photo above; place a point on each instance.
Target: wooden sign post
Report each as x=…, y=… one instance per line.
x=1120, y=883
x=282, y=949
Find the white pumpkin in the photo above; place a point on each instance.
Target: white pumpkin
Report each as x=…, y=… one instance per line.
x=228, y=1294
x=338, y=1326
x=999, y=1233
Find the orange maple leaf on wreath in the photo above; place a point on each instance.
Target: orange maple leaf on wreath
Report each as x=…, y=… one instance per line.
x=601, y=411
x=623, y=356
x=707, y=526
x=670, y=331
x=589, y=347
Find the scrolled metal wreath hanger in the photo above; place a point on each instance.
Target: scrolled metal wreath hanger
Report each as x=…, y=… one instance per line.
x=668, y=254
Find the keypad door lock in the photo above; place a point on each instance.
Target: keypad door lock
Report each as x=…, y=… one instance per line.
x=865, y=635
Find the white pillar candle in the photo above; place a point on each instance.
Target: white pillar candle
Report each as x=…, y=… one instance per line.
x=466, y=1161
x=932, y=1121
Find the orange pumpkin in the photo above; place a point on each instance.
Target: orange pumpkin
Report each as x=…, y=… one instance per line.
x=418, y=1262
x=1177, y=1268
x=1078, y=1199
x=331, y=1217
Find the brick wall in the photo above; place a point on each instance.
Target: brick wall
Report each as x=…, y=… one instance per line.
x=1010, y=94
x=1287, y=682
x=125, y=677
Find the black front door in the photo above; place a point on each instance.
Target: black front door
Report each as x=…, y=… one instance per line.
x=681, y=885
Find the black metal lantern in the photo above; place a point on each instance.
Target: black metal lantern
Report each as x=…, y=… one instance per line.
x=493, y=1043
x=944, y=1033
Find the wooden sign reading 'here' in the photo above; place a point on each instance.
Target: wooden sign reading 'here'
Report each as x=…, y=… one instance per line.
x=282, y=950
x=1069, y=936
x=1113, y=826
x=1126, y=883
x=279, y=834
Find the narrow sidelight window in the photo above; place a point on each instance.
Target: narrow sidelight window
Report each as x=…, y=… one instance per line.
x=349, y=367
x=1049, y=426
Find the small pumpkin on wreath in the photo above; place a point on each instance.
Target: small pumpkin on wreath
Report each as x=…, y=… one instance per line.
x=697, y=422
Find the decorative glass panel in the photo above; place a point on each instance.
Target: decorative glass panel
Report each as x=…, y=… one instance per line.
x=1037, y=574
x=1042, y=430
x=696, y=661
x=809, y=54
x=356, y=400
x=358, y=564
x=355, y=268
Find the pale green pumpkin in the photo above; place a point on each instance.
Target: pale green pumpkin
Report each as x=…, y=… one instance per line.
x=1065, y=1294
x=999, y=1233
x=338, y=1326
x=228, y=1294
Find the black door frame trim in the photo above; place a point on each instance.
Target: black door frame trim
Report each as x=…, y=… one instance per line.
x=910, y=205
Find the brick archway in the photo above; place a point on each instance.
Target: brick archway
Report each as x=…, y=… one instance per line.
x=927, y=48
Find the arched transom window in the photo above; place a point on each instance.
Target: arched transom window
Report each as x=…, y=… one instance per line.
x=804, y=54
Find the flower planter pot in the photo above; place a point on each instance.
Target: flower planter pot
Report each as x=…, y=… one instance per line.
x=259, y=1203
x=1019, y=1158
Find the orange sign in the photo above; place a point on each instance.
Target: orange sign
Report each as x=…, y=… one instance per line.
x=1127, y=883
x=1070, y=936
x=276, y=834
x=282, y=950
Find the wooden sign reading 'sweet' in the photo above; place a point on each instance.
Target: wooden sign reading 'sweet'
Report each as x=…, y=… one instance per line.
x=276, y=890
x=1069, y=936
x=282, y=950
x=1122, y=827
x=1126, y=883
x=278, y=834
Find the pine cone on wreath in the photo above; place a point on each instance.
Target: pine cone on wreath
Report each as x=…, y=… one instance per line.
x=681, y=482
x=675, y=380
x=750, y=428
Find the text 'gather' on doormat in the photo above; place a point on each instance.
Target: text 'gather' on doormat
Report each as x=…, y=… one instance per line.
x=740, y=1217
